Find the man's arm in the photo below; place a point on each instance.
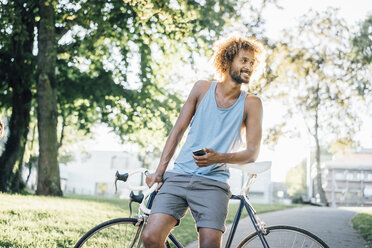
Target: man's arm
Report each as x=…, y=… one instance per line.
x=179, y=128
x=253, y=126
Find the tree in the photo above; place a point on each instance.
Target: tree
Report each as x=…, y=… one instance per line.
x=312, y=65
x=17, y=70
x=48, y=182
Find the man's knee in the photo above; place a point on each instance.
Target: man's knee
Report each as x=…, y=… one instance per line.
x=150, y=238
x=157, y=230
x=210, y=243
x=209, y=238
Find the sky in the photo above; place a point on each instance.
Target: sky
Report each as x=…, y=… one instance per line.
x=289, y=151
x=276, y=19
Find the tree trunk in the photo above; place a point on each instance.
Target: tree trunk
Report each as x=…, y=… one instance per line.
x=20, y=80
x=17, y=183
x=18, y=130
x=48, y=170
x=319, y=183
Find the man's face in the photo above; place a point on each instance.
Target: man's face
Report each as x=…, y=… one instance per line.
x=242, y=66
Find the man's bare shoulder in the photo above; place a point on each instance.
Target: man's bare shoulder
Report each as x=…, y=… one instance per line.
x=253, y=108
x=203, y=84
x=253, y=102
x=201, y=87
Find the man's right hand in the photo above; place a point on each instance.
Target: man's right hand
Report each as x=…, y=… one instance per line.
x=153, y=178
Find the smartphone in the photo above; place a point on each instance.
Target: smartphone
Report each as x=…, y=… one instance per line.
x=200, y=152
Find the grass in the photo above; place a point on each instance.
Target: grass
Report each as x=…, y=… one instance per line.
x=363, y=223
x=36, y=221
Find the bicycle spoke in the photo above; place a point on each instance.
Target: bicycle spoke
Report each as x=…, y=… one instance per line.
x=112, y=234
x=284, y=237
x=294, y=241
x=303, y=243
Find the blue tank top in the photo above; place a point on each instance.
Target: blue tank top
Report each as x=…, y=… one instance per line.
x=212, y=127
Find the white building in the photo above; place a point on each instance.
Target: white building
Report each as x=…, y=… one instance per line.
x=348, y=179
x=93, y=172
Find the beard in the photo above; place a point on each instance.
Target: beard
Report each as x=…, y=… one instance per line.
x=237, y=77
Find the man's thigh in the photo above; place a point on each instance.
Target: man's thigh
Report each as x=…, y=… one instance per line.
x=171, y=198
x=160, y=225
x=208, y=202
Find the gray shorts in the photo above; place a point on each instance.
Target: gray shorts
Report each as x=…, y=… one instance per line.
x=208, y=199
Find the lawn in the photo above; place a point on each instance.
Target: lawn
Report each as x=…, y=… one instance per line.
x=363, y=223
x=36, y=221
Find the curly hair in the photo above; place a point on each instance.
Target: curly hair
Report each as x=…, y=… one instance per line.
x=225, y=51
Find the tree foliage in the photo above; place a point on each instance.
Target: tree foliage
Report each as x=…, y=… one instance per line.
x=312, y=65
x=296, y=181
x=362, y=42
x=361, y=56
x=121, y=45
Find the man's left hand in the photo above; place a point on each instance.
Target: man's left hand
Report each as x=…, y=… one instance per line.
x=208, y=159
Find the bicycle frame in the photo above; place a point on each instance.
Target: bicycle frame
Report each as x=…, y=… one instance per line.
x=296, y=236
x=251, y=212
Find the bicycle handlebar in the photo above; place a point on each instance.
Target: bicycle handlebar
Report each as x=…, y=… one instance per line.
x=146, y=190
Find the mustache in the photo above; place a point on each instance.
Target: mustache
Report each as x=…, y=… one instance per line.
x=246, y=71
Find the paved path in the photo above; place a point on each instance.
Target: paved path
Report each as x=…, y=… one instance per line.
x=332, y=225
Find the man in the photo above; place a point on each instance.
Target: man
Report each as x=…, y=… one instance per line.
x=217, y=112
x=1, y=128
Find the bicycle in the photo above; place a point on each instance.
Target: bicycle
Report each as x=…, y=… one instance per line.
x=126, y=232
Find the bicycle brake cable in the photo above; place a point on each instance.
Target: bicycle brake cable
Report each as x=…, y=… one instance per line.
x=130, y=208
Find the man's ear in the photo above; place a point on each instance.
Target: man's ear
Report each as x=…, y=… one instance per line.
x=227, y=69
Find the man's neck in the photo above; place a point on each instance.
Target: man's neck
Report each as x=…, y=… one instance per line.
x=229, y=88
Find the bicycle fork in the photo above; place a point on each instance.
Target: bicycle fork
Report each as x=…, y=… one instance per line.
x=141, y=224
x=259, y=225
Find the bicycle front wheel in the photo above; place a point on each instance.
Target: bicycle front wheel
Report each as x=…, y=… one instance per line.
x=121, y=232
x=284, y=237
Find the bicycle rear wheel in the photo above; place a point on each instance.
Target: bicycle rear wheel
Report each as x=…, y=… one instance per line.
x=284, y=237
x=121, y=232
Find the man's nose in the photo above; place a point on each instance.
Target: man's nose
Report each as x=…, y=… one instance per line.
x=247, y=68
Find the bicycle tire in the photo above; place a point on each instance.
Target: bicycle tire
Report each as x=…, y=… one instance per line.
x=284, y=237
x=121, y=232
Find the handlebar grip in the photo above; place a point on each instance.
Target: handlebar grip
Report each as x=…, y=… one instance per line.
x=121, y=177
x=136, y=198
